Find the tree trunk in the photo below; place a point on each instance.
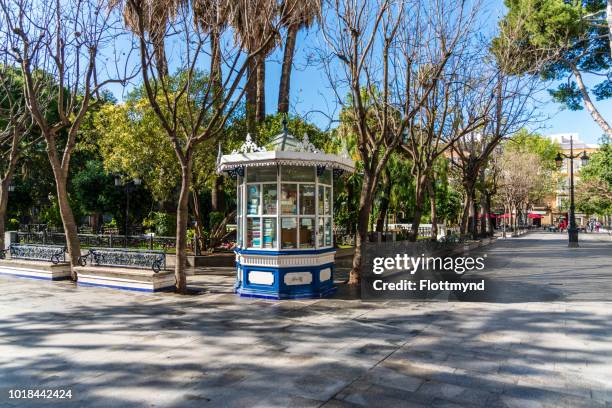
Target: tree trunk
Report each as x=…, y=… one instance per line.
x=216, y=195
x=285, y=81
x=365, y=204
x=350, y=193
x=68, y=221
x=3, y=205
x=465, y=214
x=484, y=214
x=490, y=231
x=216, y=73
x=384, y=201
x=182, y=219
x=474, y=227
x=251, y=95
x=198, y=222
x=260, y=109
x=431, y=189
x=589, y=104
x=421, y=186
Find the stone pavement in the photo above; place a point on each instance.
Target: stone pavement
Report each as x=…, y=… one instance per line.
x=545, y=341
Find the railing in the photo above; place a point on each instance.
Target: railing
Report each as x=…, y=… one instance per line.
x=149, y=242
x=155, y=260
x=49, y=253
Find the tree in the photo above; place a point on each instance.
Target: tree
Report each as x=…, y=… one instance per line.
x=522, y=177
x=188, y=110
x=389, y=55
x=57, y=48
x=594, y=188
x=15, y=125
x=558, y=40
x=304, y=13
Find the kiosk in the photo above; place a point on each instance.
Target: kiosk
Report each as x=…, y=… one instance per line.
x=284, y=243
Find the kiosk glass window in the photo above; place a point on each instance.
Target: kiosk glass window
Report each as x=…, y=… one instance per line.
x=254, y=232
x=270, y=198
x=307, y=233
x=305, y=174
x=289, y=233
x=261, y=174
x=253, y=199
x=307, y=199
x=289, y=199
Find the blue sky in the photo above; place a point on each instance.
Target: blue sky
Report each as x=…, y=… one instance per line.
x=310, y=92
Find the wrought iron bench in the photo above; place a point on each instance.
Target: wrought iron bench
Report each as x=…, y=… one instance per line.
x=47, y=253
x=128, y=258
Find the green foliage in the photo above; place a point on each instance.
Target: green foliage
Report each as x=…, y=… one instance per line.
x=12, y=224
x=95, y=190
x=527, y=142
x=215, y=218
x=162, y=223
x=594, y=190
x=548, y=37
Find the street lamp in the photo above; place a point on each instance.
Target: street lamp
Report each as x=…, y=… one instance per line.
x=572, y=230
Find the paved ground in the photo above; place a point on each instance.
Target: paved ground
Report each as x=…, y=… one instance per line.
x=545, y=342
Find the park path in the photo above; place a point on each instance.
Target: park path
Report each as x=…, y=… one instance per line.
x=543, y=340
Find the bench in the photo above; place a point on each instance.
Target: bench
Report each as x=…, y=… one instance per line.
x=45, y=253
x=126, y=258
x=125, y=269
x=35, y=261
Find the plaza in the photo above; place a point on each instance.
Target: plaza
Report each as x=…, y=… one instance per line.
x=539, y=337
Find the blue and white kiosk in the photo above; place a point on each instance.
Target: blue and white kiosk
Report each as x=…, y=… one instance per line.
x=285, y=247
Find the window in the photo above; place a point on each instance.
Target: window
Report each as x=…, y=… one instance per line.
x=307, y=199
x=261, y=207
x=254, y=232
x=285, y=207
x=239, y=212
x=253, y=200
x=307, y=233
x=262, y=174
x=298, y=173
x=324, y=207
x=289, y=233
x=269, y=199
x=289, y=199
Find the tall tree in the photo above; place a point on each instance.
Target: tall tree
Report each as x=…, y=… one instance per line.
x=15, y=125
x=304, y=13
x=389, y=54
x=557, y=40
x=57, y=46
x=189, y=111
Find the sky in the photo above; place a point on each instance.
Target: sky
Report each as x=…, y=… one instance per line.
x=312, y=98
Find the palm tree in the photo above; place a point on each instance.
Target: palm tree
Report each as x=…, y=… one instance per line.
x=300, y=14
x=157, y=13
x=251, y=20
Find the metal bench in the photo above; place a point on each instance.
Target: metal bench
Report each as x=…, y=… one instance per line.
x=128, y=258
x=47, y=253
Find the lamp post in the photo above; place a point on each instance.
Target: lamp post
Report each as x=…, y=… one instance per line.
x=573, y=229
x=118, y=183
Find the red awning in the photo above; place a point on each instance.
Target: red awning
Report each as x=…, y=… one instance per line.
x=535, y=216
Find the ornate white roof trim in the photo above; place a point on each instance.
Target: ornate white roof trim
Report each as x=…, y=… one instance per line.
x=306, y=146
x=290, y=158
x=249, y=146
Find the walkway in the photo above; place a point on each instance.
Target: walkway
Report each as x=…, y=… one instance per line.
x=545, y=340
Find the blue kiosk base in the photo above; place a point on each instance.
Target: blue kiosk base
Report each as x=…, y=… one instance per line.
x=283, y=276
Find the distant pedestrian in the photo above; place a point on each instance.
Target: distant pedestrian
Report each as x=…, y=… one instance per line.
x=597, y=226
